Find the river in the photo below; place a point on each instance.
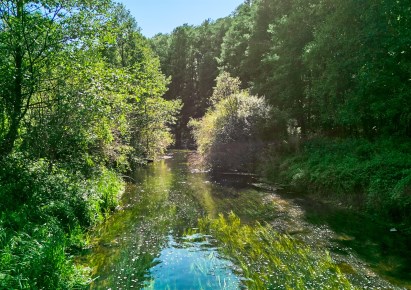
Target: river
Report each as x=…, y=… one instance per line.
x=151, y=243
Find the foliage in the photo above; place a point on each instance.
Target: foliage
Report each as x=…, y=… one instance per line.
x=37, y=259
x=360, y=79
x=331, y=69
x=376, y=172
x=269, y=260
x=33, y=36
x=189, y=56
x=230, y=135
x=234, y=48
x=225, y=87
x=80, y=100
x=91, y=108
x=152, y=126
x=43, y=216
x=149, y=115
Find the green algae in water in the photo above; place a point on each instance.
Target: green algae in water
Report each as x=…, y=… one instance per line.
x=270, y=260
x=144, y=246
x=137, y=244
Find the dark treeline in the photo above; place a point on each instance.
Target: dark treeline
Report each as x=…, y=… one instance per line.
x=337, y=78
x=189, y=57
x=337, y=68
x=80, y=104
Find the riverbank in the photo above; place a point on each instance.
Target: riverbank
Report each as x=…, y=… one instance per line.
x=370, y=176
x=46, y=212
x=341, y=221
x=358, y=188
x=157, y=233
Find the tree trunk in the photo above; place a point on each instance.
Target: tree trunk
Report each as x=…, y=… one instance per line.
x=7, y=144
x=16, y=111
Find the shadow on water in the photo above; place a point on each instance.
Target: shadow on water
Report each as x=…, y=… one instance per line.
x=147, y=244
x=144, y=245
x=385, y=248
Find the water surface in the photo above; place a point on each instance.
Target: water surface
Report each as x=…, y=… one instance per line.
x=152, y=243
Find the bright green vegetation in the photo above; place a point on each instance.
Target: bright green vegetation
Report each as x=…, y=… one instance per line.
x=156, y=242
x=80, y=105
x=229, y=135
x=336, y=77
x=145, y=245
x=315, y=93
x=43, y=218
x=269, y=260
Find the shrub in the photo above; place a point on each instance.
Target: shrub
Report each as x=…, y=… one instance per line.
x=378, y=171
x=37, y=259
x=231, y=134
x=44, y=213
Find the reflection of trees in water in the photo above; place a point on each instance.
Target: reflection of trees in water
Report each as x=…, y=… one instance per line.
x=167, y=202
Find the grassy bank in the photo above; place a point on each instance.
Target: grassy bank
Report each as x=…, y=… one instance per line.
x=372, y=175
x=45, y=212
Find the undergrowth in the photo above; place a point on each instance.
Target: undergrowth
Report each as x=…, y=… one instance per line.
x=376, y=173
x=44, y=214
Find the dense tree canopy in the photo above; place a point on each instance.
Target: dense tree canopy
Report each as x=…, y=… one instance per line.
x=77, y=80
x=80, y=103
x=335, y=73
x=189, y=57
x=34, y=37
x=337, y=68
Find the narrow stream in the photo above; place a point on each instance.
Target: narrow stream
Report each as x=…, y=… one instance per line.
x=149, y=244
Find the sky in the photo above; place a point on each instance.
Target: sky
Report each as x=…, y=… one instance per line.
x=162, y=16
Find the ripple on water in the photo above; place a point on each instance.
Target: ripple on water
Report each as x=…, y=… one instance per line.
x=137, y=250
x=191, y=263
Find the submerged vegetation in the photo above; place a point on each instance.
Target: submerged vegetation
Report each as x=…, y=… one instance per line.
x=156, y=241
x=269, y=260
x=312, y=94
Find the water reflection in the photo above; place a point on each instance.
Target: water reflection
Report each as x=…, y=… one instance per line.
x=191, y=262
x=145, y=245
x=136, y=245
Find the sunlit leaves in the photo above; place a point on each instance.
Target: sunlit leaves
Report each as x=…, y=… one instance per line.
x=230, y=133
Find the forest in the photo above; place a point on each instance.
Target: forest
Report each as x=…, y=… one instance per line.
x=310, y=94
x=314, y=92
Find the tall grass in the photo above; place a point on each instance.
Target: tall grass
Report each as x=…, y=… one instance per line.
x=44, y=213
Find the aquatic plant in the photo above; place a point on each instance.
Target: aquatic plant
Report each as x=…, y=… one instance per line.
x=269, y=260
